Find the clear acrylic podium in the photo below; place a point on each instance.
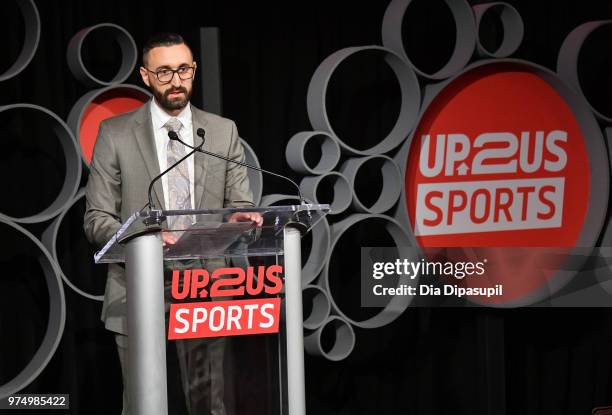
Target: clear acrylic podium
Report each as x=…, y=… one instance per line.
x=211, y=234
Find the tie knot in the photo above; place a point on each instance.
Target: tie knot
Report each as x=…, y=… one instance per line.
x=173, y=124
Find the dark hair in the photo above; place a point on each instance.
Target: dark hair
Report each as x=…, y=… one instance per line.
x=162, y=39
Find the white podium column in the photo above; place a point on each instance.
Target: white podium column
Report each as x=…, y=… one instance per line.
x=294, y=321
x=144, y=266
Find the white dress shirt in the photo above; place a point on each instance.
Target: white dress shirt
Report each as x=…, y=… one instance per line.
x=159, y=118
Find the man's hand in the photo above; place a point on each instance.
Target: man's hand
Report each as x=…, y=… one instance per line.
x=168, y=238
x=246, y=217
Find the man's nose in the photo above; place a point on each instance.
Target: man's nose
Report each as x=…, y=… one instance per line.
x=176, y=80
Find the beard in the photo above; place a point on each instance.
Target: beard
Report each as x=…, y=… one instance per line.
x=172, y=104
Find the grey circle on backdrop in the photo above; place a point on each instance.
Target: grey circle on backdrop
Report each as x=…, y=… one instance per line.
x=31, y=19
x=410, y=99
x=55, y=323
x=75, y=116
x=128, y=55
x=294, y=153
x=315, y=262
x=343, y=344
x=321, y=307
x=49, y=239
x=255, y=176
x=392, y=183
x=73, y=165
x=398, y=304
x=604, y=274
x=341, y=189
x=512, y=25
x=598, y=162
x=567, y=61
x=465, y=36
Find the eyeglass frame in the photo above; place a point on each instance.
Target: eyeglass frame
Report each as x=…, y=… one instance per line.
x=174, y=71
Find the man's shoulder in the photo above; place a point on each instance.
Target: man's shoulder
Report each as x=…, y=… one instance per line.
x=210, y=118
x=126, y=119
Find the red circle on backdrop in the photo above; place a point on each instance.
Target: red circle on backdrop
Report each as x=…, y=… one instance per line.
x=474, y=190
x=108, y=104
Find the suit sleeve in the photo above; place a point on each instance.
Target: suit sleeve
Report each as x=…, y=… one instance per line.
x=103, y=192
x=237, y=189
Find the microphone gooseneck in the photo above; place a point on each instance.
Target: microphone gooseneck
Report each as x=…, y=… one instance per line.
x=172, y=135
x=200, y=132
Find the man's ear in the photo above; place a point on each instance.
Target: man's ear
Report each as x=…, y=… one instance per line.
x=145, y=76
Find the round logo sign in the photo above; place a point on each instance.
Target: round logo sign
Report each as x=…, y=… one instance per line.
x=500, y=159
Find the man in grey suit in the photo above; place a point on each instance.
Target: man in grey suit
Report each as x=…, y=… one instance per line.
x=133, y=148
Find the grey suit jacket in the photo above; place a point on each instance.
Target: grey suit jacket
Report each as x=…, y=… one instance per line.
x=124, y=162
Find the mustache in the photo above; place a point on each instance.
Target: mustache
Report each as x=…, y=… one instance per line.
x=179, y=89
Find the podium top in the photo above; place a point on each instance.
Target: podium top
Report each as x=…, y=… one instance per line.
x=213, y=233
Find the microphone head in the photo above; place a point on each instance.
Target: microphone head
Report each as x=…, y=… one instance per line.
x=172, y=135
x=200, y=132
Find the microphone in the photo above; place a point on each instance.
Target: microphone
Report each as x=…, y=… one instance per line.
x=172, y=135
x=200, y=132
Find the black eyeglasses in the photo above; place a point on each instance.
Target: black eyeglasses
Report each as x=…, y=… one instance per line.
x=165, y=75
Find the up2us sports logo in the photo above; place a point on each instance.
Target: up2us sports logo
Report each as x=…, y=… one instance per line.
x=506, y=155
x=530, y=200
x=226, y=306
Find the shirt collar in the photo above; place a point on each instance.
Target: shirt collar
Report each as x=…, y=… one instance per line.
x=161, y=117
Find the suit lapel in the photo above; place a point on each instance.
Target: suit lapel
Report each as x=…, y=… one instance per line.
x=143, y=132
x=200, y=160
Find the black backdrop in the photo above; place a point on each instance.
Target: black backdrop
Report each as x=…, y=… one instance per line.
x=442, y=361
